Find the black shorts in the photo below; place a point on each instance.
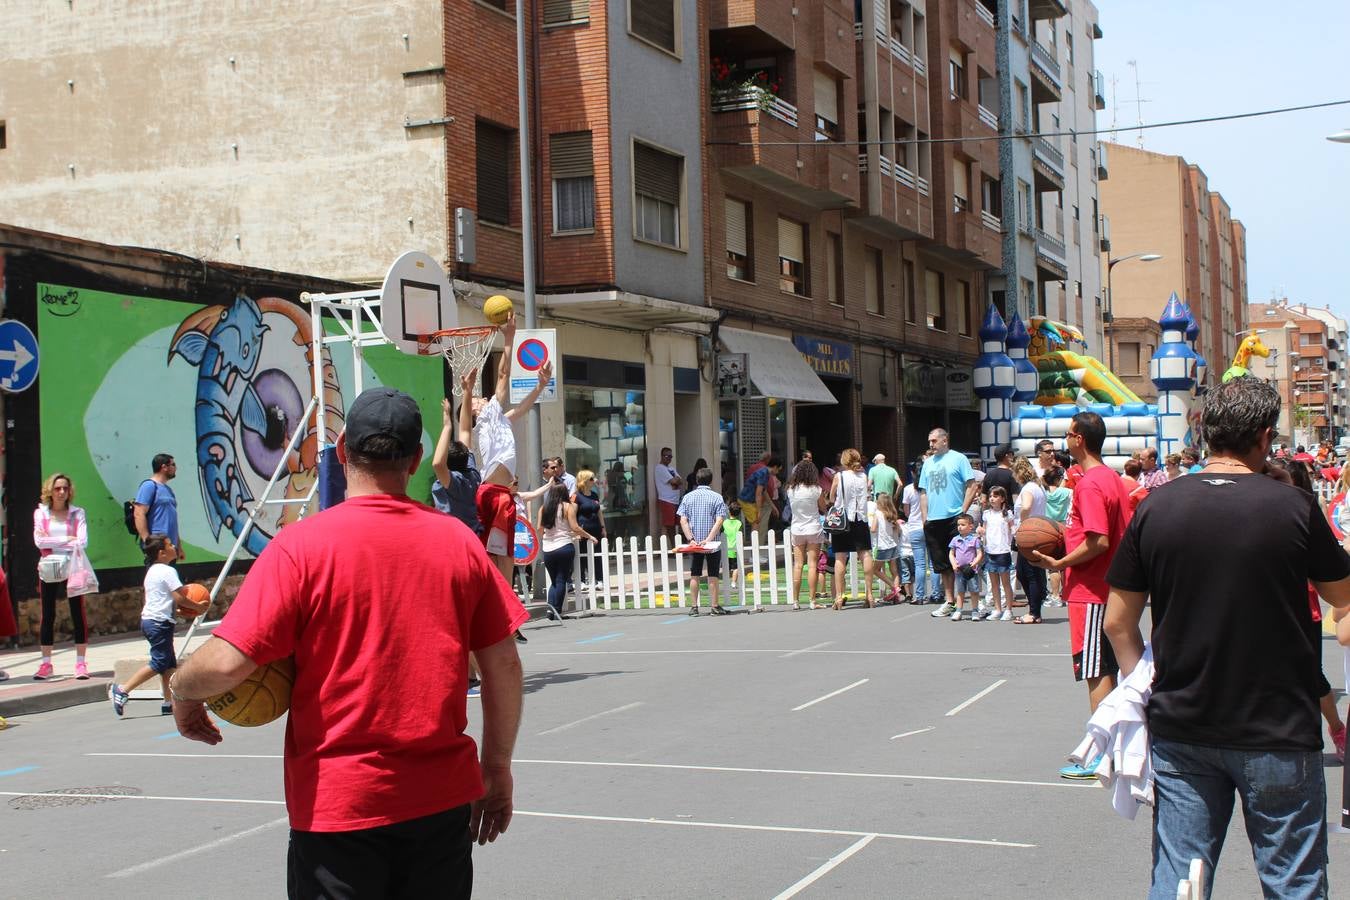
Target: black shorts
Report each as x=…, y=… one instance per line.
x=937, y=538
x=711, y=561
x=857, y=539
x=426, y=857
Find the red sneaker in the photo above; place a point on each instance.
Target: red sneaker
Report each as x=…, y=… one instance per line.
x=44, y=672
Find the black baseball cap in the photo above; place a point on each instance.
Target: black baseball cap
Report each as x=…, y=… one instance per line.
x=387, y=412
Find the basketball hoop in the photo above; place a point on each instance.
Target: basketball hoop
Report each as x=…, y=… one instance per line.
x=464, y=349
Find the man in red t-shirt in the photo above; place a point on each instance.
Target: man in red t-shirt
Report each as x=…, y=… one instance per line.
x=1098, y=514
x=379, y=600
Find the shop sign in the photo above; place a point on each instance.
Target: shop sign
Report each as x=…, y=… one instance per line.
x=833, y=359
x=925, y=383
x=960, y=388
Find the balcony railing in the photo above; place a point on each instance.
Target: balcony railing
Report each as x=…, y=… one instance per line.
x=990, y=220
x=983, y=12
x=1098, y=91
x=906, y=177
x=923, y=185
x=755, y=98
x=1052, y=247
x=987, y=115
x=1046, y=60
x=1049, y=154
x=1103, y=170
x=885, y=165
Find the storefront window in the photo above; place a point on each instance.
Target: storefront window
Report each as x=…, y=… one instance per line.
x=778, y=433
x=607, y=433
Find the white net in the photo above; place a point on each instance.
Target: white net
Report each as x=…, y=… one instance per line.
x=464, y=350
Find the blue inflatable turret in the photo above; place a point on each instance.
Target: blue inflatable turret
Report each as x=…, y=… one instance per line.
x=994, y=375
x=1027, y=381
x=1193, y=335
x=1172, y=370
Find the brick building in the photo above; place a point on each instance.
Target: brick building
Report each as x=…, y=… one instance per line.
x=1307, y=366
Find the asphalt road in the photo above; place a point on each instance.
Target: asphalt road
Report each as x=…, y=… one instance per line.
x=865, y=753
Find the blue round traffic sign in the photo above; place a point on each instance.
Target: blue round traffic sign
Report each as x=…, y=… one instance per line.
x=527, y=542
x=532, y=354
x=18, y=356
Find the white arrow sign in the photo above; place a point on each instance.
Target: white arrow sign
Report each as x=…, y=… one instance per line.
x=19, y=356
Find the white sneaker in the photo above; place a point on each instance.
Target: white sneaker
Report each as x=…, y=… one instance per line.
x=942, y=611
x=1007, y=616
x=956, y=615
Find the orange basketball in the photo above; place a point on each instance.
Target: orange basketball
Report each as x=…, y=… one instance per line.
x=260, y=698
x=1040, y=533
x=197, y=594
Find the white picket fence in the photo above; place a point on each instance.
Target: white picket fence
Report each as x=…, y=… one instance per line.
x=649, y=574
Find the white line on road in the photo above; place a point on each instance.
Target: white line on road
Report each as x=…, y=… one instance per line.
x=197, y=755
x=911, y=615
x=142, y=797
x=743, y=770
x=829, y=865
x=830, y=694
x=910, y=733
x=617, y=709
x=192, y=851
x=736, y=826
x=806, y=649
x=785, y=650
x=956, y=709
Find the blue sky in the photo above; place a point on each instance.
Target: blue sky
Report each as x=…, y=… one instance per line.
x=1281, y=177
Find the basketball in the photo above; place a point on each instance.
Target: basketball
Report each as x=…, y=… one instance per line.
x=497, y=309
x=197, y=593
x=1040, y=533
x=262, y=697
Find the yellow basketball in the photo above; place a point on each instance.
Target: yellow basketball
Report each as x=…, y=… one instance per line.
x=497, y=309
x=262, y=697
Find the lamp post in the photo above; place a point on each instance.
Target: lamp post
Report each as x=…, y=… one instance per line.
x=1109, y=317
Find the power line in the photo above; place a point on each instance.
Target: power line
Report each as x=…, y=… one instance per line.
x=1004, y=136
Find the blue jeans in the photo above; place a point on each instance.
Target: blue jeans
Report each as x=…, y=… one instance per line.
x=927, y=585
x=1284, y=805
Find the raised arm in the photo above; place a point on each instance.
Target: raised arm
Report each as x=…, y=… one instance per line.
x=466, y=385
x=503, y=392
x=438, y=459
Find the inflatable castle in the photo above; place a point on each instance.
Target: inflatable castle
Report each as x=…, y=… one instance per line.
x=1031, y=383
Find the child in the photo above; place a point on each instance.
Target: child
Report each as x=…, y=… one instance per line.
x=1057, y=499
x=965, y=555
x=996, y=532
x=885, y=523
x=732, y=529
x=162, y=593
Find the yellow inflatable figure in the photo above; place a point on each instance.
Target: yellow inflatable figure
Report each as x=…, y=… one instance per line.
x=1067, y=376
x=1251, y=346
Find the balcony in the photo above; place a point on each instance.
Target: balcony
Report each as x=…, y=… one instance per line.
x=1098, y=90
x=1052, y=256
x=984, y=13
x=970, y=24
x=1103, y=171
x=1047, y=163
x=756, y=22
x=754, y=98
x=1047, y=85
x=832, y=45
x=752, y=133
x=987, y=115
x=991, y=221
x=1047, y=9
x=969, y=235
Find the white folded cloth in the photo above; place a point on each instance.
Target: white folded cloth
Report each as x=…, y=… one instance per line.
x=1118, y=734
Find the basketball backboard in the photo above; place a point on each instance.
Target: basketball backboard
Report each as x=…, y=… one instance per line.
x=416, y=300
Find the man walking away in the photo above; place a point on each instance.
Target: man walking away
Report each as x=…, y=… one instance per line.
x=379, y=600
x=156, y=505
x=1237, y=662
x=883, y=479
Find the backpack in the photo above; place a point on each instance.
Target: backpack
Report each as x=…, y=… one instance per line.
x=129, y=509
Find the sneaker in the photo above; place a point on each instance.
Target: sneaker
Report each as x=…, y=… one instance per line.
x=1338, y=740
x=475, y=688
x=119, y=699
x=4, y=676
x=521, y=638
x=943, y=611
x=1006, y=617
x=44, y=672
x=719, y=610
x=82, y=671
x=1075, y=772
x=956, y=615
x=166, y=709
x=693, y=610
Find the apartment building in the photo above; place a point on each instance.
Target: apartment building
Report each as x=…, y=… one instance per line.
x=1307, y=366
x=1156, y=203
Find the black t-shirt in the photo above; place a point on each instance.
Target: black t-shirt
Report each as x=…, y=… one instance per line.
x=1227, y=560
x=1000, y=477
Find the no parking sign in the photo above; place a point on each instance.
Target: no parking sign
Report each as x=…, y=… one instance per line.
x=534, y=348
x=526, y=544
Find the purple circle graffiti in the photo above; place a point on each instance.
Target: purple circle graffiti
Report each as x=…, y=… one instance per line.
x=281, y=400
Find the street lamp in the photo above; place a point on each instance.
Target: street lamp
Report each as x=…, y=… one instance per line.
x=1108, y=317
x=1340, y=137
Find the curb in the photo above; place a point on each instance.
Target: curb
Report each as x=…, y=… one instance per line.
x=60, y=698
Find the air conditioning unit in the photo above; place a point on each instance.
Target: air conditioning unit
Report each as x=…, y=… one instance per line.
x=1106, y=235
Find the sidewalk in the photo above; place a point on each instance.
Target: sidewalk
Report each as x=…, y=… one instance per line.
x=21, y=695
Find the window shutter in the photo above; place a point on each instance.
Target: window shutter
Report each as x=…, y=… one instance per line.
x=570, y=155
x=736, y=216
x=559, y=12
x=656, y=174
x=827, y=98
x=790, y=240
x=654, y=20
x=872, y=281
x=960, y=179
x=493, y=173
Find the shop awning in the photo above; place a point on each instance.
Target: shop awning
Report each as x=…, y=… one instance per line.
x=626, y=310
x=776, y=366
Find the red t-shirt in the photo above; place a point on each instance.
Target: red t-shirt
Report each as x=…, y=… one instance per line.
x=380, y=599
x=1100, y=505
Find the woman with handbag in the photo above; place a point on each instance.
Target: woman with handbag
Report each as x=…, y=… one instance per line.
x=61, y=533
x=847, y=523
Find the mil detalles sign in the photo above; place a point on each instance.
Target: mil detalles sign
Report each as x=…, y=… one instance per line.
x=833, y=359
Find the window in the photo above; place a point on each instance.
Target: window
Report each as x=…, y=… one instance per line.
x=956, y=68
x=906, y=151
x=1024, y=205
x=937, y=300
x=1068, y=47
x=1308, y=339
x=502, y=5
x=2, y=134
x=834, y=267
x=573, y=181
x=874, y=283
x=925, y=160
x=566, y=12
x=1127, y=357
x=657, y=178
x=907, y=288
x=792, y=245
x=654, y=21
x=599, y=418
x=827, y=108
x=739, y=256
x=493, y=146
x=965, y=318
x=991, y=197
x=1022, y=109
x=961, y=184
x=920, y=34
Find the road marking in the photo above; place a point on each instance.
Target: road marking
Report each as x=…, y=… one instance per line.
x=830, y=694
x=910, y=733
x=143, y=797
x=836, y=774
x=911, y=615
x=192, y=851
x=617, y=709
x=829, y=865
x=196, y=755
x=673, y=619
x=788, y=650
x=736, y=826
x=19, y=771
x=602, y=637
x=989, y=690
x=807, y=649
x=166, y=735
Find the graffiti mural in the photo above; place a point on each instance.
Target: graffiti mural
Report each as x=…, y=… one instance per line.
x=225, y=385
